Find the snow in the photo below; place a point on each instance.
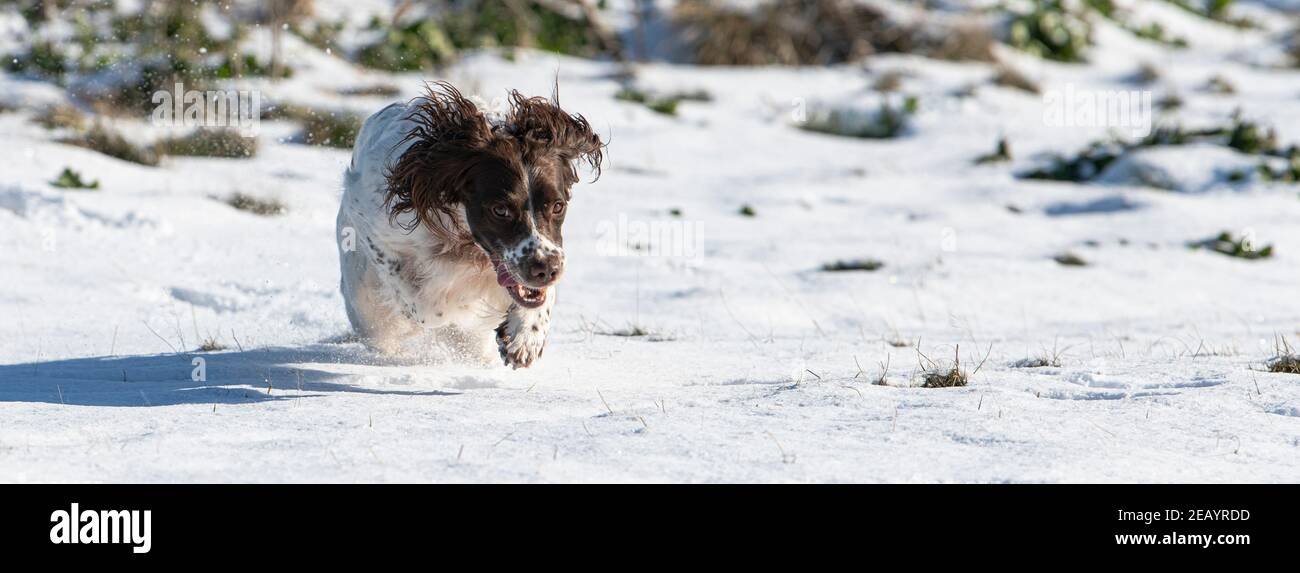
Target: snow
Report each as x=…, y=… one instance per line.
x=757, y=366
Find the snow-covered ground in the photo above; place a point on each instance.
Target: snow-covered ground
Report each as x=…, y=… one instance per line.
x=755, y=365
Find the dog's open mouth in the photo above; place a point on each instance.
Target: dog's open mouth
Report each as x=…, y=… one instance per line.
x=524, y=296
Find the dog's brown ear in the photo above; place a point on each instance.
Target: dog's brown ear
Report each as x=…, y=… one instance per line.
x=450, y=138
x=545, y=128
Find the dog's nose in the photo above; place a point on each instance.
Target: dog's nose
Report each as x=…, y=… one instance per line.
x=546, y=269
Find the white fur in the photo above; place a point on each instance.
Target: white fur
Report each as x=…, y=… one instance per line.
x=396, y=283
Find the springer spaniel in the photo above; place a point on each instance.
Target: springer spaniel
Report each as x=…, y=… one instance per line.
x=450, y=221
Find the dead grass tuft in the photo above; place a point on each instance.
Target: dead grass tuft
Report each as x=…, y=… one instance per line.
x=108, y=141
x=1070, y=260
x=935, y=375
x=210, y=143
x=853, y=265
x=1286, y=361
x=1007, y=76
x=60, y=116
x=256, y=206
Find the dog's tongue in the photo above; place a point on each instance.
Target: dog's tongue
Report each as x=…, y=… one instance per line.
x=503, y=276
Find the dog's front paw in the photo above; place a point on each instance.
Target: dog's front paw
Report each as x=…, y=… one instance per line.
x=519, y=347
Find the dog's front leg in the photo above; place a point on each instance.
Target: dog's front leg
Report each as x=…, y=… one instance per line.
x=521, y=337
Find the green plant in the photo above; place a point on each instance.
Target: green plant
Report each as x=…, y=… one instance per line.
x=1216, y=10
x=416, y=46
x=43, y=59
x=1088, y=164
x=664, y=104
x=69, y=179
x=1239, y=247
x=1051, y=31
x=747, y=211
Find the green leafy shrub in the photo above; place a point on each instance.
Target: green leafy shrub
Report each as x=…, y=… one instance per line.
x=416, y=46
x=430, y=42
x=1084, y=166
x=43, y=59
x=69, y=179
x=1051, y=31
x=1241, y=134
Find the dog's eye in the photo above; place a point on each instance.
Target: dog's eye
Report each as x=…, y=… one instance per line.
x=558, y=208
x=501, y=211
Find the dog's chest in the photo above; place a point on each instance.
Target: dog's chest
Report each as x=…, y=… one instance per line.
x=457, y=292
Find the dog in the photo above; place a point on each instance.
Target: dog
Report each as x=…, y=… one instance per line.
x=450, y=222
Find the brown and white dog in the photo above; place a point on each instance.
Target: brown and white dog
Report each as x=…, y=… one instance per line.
x=450, y=221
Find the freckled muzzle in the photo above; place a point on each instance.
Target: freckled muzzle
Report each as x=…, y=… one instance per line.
x=532, y=293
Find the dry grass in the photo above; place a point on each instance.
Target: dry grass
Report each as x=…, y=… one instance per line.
x=373, y=90
x=819, y=32
x=210, y=143
x=256, y=206
x=1046, y=359
x=1001, y=153
x=211, y=344
x=1220, y=85
x=1286, y=361
x=1007, y=76
x=330, y=128
x=1146, y=74
x=108, y=141
x=853, y=265
x=1070, y=260
x=889, y=81
x=936, y=375
x=943, y=376
x=60, y=116
x=970, y=40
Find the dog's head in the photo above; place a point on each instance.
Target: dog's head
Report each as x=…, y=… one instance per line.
x=513, y=180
